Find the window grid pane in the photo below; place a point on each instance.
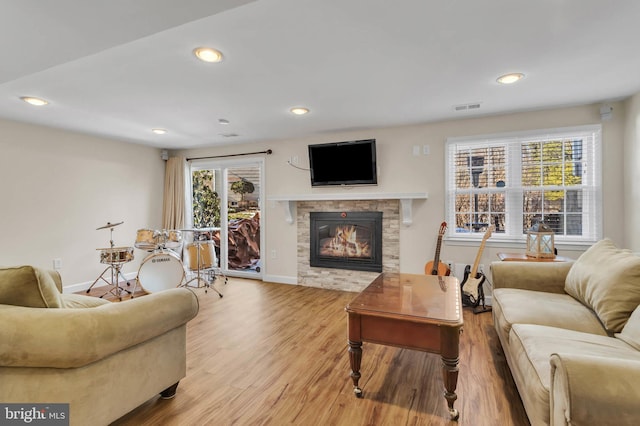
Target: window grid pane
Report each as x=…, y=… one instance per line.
x=555, y=178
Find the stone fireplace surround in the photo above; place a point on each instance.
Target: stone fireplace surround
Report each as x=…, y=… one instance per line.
x=342, y=279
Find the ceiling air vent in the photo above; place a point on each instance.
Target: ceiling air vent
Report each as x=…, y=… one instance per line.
x=229, y=135
x=467, y=107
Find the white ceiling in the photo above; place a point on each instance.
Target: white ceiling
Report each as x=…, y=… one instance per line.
x=118, y=68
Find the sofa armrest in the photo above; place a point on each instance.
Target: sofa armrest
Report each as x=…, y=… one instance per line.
x=537, y=276
x=594, y=390
x=55, y=275
x=69, y=338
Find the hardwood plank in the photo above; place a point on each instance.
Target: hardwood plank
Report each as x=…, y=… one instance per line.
x=272, y=354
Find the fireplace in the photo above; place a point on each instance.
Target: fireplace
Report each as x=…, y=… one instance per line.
x=346, y=240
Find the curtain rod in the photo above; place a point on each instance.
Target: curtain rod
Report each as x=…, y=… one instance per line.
x=268, y=152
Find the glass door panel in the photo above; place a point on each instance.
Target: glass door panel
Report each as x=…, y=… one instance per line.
x=226, y=197
x=243, y=218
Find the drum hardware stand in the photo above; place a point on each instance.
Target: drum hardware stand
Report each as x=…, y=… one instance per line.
x=116, y=273
x=207, y=285
x=115, y=268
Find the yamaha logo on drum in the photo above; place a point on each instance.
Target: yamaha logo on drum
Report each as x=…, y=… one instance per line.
x=161, y=259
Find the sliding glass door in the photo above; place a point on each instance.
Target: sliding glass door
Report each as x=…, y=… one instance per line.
x=225, y=199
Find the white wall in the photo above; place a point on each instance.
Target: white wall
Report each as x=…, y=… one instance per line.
x=400, y=171
x=57, y=187
x=632, y=174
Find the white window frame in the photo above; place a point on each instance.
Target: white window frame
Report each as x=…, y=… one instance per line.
x=592, y=218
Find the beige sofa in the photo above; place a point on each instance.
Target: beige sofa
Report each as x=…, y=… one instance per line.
x=571, y=336
x=102, y=358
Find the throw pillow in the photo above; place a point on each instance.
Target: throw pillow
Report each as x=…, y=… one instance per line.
x=607, y=280
x=28, y=286
x=630, y=334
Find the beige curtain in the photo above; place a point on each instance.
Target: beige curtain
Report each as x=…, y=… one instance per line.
x=173, y=206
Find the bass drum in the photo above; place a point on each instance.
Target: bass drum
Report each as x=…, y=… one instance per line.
x=160, y=271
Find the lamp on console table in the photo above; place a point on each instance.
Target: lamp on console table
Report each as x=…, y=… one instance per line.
x=540, y=242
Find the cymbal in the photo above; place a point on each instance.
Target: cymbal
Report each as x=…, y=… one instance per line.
x=110, y=225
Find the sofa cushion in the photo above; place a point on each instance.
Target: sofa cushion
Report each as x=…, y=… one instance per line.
x=81, y=301
x=630, y=334
x=28, y=286
x=606, y=279
x=517, y=306
x=531, y=349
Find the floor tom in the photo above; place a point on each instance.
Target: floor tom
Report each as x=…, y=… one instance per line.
x=207, y=255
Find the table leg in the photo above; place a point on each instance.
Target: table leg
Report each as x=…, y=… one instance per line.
x=355, y=357
x=449, y=350
x=450, y=377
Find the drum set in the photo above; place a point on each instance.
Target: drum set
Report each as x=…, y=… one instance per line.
x=163, y=268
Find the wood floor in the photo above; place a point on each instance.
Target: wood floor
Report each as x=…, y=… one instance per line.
x=275, y=354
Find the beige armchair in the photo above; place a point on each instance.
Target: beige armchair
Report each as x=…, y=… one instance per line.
x=102, y=358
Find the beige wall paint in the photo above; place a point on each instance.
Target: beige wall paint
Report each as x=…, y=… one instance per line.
x=401, y=171
x=57, y=187
x=632, y=173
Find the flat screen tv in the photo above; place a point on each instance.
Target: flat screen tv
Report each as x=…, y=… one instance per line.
x=343, y=163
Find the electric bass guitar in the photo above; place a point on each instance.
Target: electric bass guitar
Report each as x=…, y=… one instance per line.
x=436, y=267
x=472, y=292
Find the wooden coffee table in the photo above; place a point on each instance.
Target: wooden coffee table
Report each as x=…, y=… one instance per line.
x=421, y=312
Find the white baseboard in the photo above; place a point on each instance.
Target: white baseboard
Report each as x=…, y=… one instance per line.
x=74, y=288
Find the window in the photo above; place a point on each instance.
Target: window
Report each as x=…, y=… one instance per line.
x=512, y=181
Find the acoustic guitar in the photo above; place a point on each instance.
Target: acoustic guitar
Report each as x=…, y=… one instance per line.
x=436, y=267
x=472, y=292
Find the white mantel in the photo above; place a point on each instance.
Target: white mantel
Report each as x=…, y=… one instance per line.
x=406, y=201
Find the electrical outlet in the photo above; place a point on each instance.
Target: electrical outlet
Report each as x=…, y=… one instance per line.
x=451, y=267
x=481, y=268
x=426, y=150
x=274, y=254
x=57, y=263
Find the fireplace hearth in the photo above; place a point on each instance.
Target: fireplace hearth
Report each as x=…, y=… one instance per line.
x=346, y=240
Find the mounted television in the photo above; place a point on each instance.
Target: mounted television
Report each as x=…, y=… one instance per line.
x=343, y=163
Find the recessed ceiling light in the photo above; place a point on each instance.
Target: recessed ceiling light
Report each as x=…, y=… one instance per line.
x=208, y=54
x=299, y=110
x=223, y=121
x=159, y=131
x=34, y=101
x=510, y=78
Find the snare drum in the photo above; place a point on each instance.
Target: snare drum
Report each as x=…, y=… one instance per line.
x=116, y=255
x=173, y=239
x=160, y=271
x=146, y=239
x=207, y=255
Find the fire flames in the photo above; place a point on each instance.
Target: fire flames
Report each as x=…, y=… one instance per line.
x=345, y=244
